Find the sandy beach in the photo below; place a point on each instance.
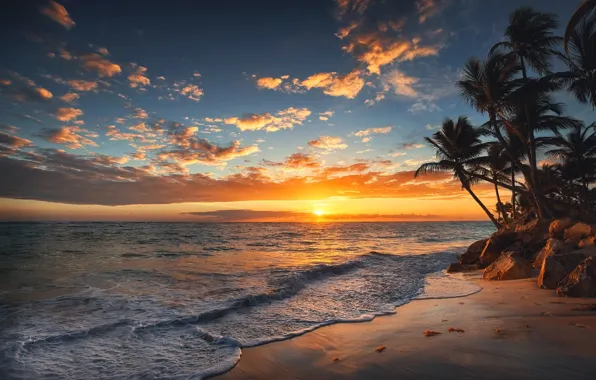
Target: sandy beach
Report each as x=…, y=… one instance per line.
x=512, y=329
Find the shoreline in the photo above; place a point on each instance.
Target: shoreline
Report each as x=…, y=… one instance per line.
x=515, y=319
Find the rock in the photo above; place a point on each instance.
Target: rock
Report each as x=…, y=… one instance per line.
x=473, y=252
x=552, y=247
x=581, y=282
x=556, y=267
x=587, y=242
x=578, y=231
x=508, y=267
x=458, y=267
x=496, y=245
x=558, y=227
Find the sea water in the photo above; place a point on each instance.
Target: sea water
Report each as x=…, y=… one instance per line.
x=181, y=300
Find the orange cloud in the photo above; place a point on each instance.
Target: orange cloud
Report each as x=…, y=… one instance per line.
x=82, y=85
x=13, y=141
x=373, y=131
x=192, y=91
x=138, y=77
x=269, y=83
x=328, y=143
x=23, y=89
x=401, y=83
x=67, y=114
x=299, y=161
x=59, y=14
x=348, y=85
x=284, y=119
x=68, y=136
x=426, y=9
x=345, y=6
x=115, y=134
x=70, y=97
x=201, y=151
x=100, y=65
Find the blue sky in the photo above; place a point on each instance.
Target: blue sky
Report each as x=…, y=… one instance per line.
x=267, y=88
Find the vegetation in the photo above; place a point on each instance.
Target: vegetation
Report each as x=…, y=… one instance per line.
x=515, y=86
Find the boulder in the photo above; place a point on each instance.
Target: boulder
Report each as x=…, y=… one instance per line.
x=587, y=242
x=459, y=267
x=552, y=247
x=581, y=282
x=556, y=267
x=473, y=252
x=508, y=267
x=557, y=227
x=578, y=231
x=496, y=245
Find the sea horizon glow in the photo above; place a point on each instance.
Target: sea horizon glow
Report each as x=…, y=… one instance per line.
x=216, y=111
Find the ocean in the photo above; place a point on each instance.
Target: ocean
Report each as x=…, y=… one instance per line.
x=181, y=300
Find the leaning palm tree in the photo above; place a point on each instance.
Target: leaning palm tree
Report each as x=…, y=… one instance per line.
x=496, y=163
x=458, y=148
x=586, y=9
x=577, y=150
x=581, y=61
x=530, y=38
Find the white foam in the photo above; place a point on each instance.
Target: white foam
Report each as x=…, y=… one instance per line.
x=441, y=285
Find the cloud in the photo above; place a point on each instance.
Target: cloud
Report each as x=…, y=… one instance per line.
x=411, y=145
x=103, y=51
x=82, y=85
x=70, y=97
x=373, y=131
x=427, y=9
x=424, y=107
x=299, y=161
x=202, y=151
x=348, y=85
x=345, y=31
x=59, y=14
x=328, y=143
x=68, y=136
x=400, y=83
x=139, y=113
x=139, y=127
x=192, y=91
x=346, y=6
x=23, y=89
x=377, y=51
x=138, y=78
x=378, y=97
x=55, y=176
x=397, y=154
x=325, y=115
x=433, y=127
x=12, y=141
x=269, y=83
x=100, y=65
x=284, y=119
x=115, y=134
x=67, y=114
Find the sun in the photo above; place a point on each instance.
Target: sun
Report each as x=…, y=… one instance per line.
x=318, y=212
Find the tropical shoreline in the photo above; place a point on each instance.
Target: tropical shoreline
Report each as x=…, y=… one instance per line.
x=538, y=333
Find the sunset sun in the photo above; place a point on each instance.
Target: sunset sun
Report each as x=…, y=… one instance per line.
x=318, y=212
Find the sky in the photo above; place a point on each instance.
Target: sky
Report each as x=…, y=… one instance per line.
x=239, y=111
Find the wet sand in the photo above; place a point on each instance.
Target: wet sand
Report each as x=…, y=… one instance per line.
x=512, y=330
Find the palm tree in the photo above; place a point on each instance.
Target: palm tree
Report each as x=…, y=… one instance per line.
x=585, y=9
x=530, y=38
x=581, y=61
x=458, y=148
x=496, y=162
x=577, y=151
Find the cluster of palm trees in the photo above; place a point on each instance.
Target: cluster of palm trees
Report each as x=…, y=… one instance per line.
x=515, y=86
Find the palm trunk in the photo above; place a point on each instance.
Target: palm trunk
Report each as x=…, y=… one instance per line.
x=541, y=208
x=513, y=193
x=487, y=211
x=500, y=204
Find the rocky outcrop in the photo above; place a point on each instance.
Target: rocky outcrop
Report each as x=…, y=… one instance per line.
x=459, y=267
x=557, y=227
x=556, y=267
x=495, y=246
x=578, y=231
x=552, y=247
x=581, y=282
x=587, y=242
x=508, y=267
x=473, y=252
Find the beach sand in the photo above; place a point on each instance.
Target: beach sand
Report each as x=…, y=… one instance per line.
x=512, y=330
